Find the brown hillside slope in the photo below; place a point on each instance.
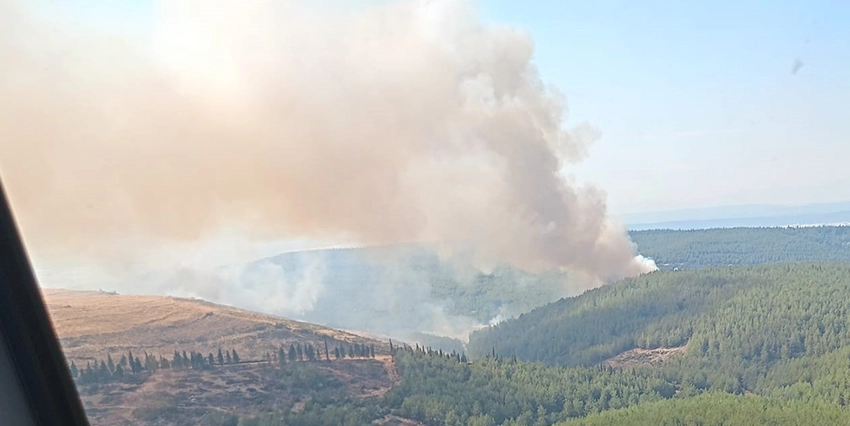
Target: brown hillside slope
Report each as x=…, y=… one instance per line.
x=92, y=324
x=186, y=397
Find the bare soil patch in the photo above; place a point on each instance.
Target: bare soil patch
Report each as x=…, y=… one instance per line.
x=644, y=357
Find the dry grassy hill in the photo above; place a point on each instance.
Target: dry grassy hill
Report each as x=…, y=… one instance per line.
x=92, y=324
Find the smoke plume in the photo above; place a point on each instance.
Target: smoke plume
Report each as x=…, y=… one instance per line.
x=399, y=121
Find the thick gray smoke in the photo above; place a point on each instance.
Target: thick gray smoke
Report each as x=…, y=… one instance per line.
x=403, y=121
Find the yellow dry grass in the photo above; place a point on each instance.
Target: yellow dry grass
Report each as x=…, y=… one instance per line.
x=92, y=324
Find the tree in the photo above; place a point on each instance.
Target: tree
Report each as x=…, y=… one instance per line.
x=220, y=357
x=342, y=351
x=300, y=352
x=103, y=372
x=336, y=353
x=138, y=365
x=327, y=354
x=150, y=362
x=123, y=361
x=74, y=372
x=281, y=356
x=210, y=359
x=293, y=354
x=132, y=361
x=119, y=370
x=481, y=420
x=541, y=416
x=110, y=364
x=371, y=351
x=163, y=362
x=235, y=357
x=227, y=358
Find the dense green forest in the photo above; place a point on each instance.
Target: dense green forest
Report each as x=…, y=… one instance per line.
x=719, y=409
x=766, y=313
x=743, y=246
x=779, y=331
x=763, y=342
x=442, y=390
x=406, y=289
x=757, y=345
x=762, y=345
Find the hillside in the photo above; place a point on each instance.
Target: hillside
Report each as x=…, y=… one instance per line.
x=745, y=345
x=96, y=326
x=743, y=246
x=773, y=330
x=765, y=313
x=220, y=395
x=404, y=289
x=410, y=292
x=719, y=409
x=92, y=324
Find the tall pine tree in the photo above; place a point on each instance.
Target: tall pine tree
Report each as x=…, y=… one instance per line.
x=132, y=362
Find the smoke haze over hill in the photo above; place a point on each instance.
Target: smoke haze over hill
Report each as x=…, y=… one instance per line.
x=405, y=121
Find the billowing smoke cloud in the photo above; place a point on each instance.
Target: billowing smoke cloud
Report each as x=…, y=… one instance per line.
x=402, y=121
x=260, y=286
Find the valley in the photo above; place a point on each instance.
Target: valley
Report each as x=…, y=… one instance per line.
x=674, y=345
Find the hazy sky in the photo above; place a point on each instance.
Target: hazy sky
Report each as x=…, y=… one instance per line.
x=698, y=102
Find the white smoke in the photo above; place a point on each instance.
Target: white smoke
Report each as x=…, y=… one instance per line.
x=408, y=120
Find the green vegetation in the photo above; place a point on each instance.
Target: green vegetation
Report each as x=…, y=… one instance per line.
x=503, y=292
x=350, y=412
x=441, y=390
x=743, y=246
x=402, y=289
x=778, y=331
x=370, y=287
x=730, y=315
x=107, y=371
x=720, y=409
x=758, y=345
